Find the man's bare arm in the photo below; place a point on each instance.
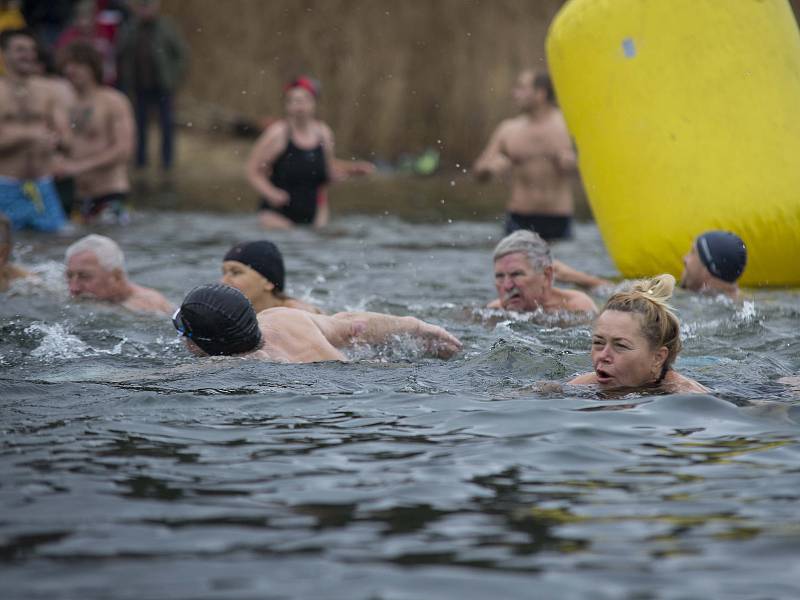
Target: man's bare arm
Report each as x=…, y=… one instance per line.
x=567, y=274
x=346, y=329
x=492, y=161
x=17, y=136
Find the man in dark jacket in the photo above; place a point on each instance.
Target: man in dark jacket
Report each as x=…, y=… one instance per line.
x=152, y=62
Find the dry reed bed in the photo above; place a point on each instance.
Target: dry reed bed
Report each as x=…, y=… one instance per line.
x=397, y=76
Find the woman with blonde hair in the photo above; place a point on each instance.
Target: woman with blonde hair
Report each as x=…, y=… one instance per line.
x=636, y=339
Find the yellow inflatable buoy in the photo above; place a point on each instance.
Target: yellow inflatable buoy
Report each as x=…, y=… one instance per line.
x=686, y=115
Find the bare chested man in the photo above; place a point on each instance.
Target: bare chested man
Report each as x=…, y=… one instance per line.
x=523, y=276
x=218, y=320
x=536, y=148
x=31, y=125
x=96, y=270
x=102, y=142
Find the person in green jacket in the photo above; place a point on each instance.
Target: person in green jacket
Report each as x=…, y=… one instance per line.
x=153, y=59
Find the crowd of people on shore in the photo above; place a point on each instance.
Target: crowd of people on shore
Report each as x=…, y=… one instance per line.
x=83, y=132
x=75, y=102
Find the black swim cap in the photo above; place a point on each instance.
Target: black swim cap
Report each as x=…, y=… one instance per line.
x=263, y=257
x=219, y=319
x=723, y=254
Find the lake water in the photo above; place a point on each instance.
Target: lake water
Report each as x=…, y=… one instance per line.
x=130, y=469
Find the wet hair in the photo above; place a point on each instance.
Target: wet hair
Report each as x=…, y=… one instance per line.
x=219, y=319
x=263, y=257
x=83, y=54
x=309, y=84
x=107, y=251
x=723, y=253
x=9, y=34
x=660, y=326
x=542, y=81
x=530, y=244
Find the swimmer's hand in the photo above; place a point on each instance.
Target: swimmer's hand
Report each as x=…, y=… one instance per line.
x=438, y=341
x=277, y=198
x=548, y=387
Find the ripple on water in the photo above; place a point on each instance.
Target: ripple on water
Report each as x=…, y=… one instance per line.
x=131, y=469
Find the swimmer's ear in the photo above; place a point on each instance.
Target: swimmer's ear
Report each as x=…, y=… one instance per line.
x=550, y=273
x=118, y=274
x=658, y=359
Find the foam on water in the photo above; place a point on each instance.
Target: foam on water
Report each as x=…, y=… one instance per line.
x=131, y=469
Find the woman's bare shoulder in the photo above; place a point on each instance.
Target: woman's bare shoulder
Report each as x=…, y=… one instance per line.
x=300, y=305
x=585, y=379
x=676, y=383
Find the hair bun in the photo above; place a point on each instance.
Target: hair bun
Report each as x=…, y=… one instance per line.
x=657, y=289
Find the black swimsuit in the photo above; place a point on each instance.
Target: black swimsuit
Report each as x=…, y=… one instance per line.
x=301, y=173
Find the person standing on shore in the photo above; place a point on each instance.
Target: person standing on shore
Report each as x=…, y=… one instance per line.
x=102, y=141
x=32, y=125
x=153, y=60
x=535, y=148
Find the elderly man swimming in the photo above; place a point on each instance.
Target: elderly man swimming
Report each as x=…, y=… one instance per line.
x=96, y=269
x=523, y=276
x=219, y=320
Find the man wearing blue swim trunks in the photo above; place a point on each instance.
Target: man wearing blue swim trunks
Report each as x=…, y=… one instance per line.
x=30, y=119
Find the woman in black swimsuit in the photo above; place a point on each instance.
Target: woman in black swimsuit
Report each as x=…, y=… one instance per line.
x=291, y=163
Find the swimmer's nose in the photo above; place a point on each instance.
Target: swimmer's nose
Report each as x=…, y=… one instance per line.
x=603, y=355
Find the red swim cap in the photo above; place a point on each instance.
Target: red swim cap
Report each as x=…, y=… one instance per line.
x=307, y=83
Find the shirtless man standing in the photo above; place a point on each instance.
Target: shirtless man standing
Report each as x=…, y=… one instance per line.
x=31, y=126
x=102, y=140
x=536, y=148
x=96, y=269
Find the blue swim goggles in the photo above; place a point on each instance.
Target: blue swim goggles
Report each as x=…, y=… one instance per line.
x=184, y=328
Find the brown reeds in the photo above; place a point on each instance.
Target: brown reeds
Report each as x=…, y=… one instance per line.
x=397, y=76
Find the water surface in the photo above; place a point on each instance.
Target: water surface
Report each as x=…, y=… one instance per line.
x=130, y=469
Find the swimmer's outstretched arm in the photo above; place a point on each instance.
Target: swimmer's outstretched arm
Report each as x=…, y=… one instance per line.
x=348, y=328
x=563, y=272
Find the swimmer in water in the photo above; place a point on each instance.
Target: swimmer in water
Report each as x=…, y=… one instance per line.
x=9, y=272
x=218, y=320
x=256, y=270
x=636, y=339
x=714, y=264
x=96, y=269
x=523, y=276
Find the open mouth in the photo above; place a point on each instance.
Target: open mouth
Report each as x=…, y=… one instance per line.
x=511, y=295
x=603, y=376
